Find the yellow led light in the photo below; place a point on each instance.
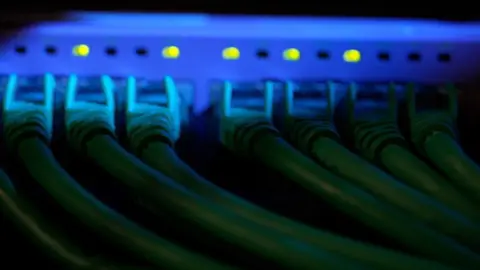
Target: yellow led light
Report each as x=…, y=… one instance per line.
x=231, y=53
x=352, y=56
x=291, y=54
x=171, y=52
x=81, y=50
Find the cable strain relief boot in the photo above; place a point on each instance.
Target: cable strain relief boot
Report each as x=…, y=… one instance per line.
x=371, y=137
x=238, y=134
x=19, y=126
x=425, y=124
x=303, y=132
x=82, y=126
x=149, y=127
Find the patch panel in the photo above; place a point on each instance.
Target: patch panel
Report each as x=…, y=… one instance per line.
x=324, y=111
x=193, y=48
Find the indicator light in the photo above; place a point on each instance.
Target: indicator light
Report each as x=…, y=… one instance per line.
x=231, y=53
x=352, y=56
x=81, y=50
x=291, y=54
x=171, y=52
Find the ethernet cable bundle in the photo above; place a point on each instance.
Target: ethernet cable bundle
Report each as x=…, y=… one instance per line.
x=423, y=197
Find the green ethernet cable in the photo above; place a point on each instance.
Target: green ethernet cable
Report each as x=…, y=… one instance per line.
x=433, y=134
x=251, y=134
x=314, y=134
x=45, y=235
x=152, y=134
x=28, y=130
x=93, y=135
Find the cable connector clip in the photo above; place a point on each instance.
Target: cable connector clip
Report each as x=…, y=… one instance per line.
x=451, y=110
x=373, y=132
x=392, y=108
x=83, y=110
x=20, y=116
x=227, y=111
x=149, y=115
x=304, y=126
x=425, y=123
x=231, y=119
x=82, y=117
x=289, y=101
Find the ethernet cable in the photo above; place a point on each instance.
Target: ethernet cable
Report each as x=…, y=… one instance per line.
x=313, y=132
x=153, y=141
x=378, y=139
x=433, y=134
x=45, y=234
x=251, y=134
x=91, y=132
x=28, y=130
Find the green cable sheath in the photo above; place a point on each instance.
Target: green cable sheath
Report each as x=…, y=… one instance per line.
x=348, y=165
x=318, y=139
x=421, y=176
x=436, y=128
x=44, y=234
x=375, y=133
x=266, y=146
x=55, y=246
x=161, y=192
x=396, y=159
x=152, y=140
x=447, y=155
x=28, y=128
x=161, y=156
x=90, y=131
x=43, y=167
x=375, y=140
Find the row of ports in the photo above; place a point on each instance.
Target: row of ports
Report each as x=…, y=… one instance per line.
x=233, y=53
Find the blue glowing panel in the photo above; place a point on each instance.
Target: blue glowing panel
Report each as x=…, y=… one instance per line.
x=192, y=47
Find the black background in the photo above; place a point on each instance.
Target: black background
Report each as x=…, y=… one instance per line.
x=452, y=11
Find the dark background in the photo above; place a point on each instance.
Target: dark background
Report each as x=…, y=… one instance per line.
x=452, y=11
